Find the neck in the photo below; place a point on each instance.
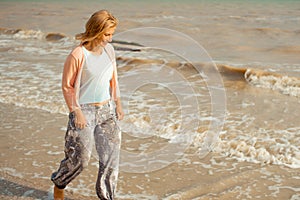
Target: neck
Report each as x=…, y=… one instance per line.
x=97, y=50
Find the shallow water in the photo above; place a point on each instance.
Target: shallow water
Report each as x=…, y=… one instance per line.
x=239, y=99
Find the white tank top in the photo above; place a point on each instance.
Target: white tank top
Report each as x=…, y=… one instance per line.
x=95, y=79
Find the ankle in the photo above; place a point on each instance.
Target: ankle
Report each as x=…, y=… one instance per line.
x=58, y=193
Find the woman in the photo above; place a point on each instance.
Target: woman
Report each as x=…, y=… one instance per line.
x=89, y=83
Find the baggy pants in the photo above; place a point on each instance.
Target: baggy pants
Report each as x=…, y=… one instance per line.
x=103, y=131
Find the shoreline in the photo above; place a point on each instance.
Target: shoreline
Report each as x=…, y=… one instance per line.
x=259, y=142
x=214, y=177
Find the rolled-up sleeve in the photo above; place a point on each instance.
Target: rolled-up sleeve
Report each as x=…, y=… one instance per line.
x=69, y=77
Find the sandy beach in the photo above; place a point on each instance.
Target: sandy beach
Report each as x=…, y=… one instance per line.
x=221, y=178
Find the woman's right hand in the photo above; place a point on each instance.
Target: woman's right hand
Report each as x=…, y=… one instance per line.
x=80, y=121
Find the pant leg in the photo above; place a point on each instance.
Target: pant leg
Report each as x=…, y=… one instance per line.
x=78, y=147
x=107, y=139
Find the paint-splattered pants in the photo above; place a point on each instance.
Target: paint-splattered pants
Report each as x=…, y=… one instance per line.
x=101, y=130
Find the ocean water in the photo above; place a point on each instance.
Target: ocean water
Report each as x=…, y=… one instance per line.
x=206, y=76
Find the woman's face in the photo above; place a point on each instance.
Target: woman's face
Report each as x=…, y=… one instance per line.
x=106, y=37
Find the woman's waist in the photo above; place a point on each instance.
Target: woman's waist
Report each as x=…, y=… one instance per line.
x=97, y=112
x=98, y=104
x=105, y=103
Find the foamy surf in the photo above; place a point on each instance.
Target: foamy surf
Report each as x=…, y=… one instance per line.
x=32, y=34
x=138, y=62
x=284, y=84
x=264, y=79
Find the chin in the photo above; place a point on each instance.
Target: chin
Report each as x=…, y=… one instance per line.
x=103, y=44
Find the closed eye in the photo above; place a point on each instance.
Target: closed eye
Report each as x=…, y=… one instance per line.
x=108, y=35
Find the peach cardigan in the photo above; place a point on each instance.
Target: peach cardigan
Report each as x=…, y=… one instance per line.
x=72, y=75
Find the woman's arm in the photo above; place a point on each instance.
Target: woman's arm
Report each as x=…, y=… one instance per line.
x=114, y=84
x=70, y=73
x=68, y=82
x=119, y=109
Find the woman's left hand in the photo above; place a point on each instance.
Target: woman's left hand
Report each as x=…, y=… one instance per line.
x=119, y=110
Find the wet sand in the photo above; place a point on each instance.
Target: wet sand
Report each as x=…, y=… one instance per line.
x=28, y=159
x=248, y=34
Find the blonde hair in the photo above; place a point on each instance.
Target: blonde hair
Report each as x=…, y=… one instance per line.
x=96, y=26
